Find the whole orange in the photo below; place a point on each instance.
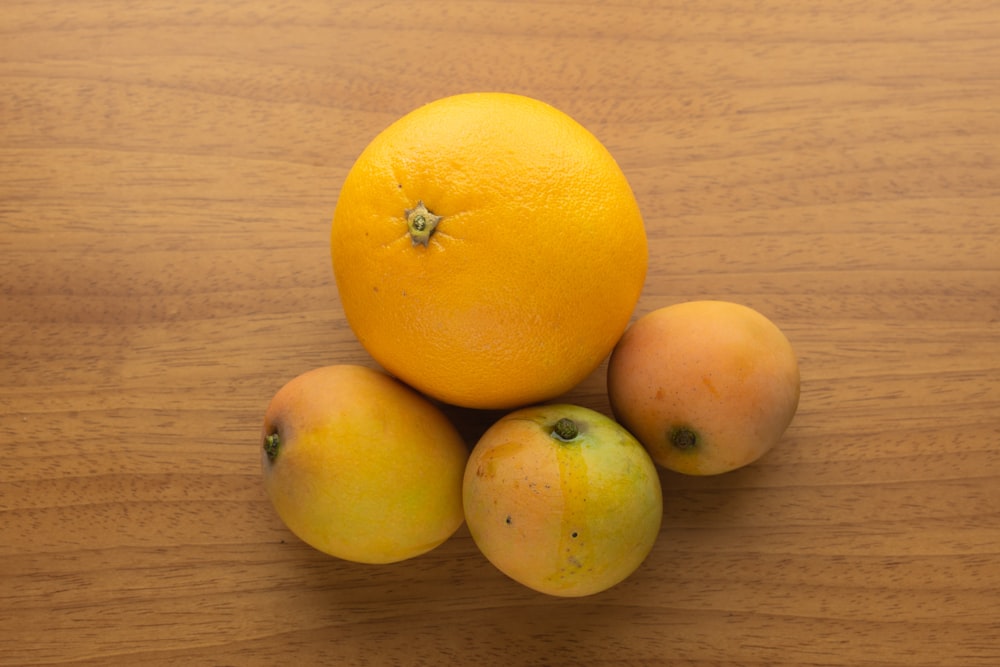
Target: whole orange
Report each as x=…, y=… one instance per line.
x=488, y=250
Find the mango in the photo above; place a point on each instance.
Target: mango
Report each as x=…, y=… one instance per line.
x=562, y=499
x=706, y=386
x=360, y=466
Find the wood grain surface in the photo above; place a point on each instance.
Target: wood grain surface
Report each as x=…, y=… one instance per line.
x=168, y=171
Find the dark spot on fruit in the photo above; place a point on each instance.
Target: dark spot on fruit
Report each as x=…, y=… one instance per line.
x=508, y=520
x=574, y=534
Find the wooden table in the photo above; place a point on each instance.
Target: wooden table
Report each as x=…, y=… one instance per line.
x=169, y=170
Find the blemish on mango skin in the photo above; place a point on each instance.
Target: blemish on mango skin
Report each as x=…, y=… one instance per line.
x=488, y=465
x=707, y=380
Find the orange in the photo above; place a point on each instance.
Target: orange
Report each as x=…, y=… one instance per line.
x=488, y=250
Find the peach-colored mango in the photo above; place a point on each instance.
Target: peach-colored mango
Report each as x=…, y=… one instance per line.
x=706, y=386
x=362, y=467
x=564, y=513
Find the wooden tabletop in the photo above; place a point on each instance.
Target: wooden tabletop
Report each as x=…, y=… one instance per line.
x=168, y=172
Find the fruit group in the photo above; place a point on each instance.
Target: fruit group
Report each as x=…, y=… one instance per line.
x=361, y=467
x=562, y=499
x=488, y=250
x=706, y=386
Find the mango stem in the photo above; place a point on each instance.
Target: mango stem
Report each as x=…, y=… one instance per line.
x=683, y=438
x=565, y=429
x=272, y=443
